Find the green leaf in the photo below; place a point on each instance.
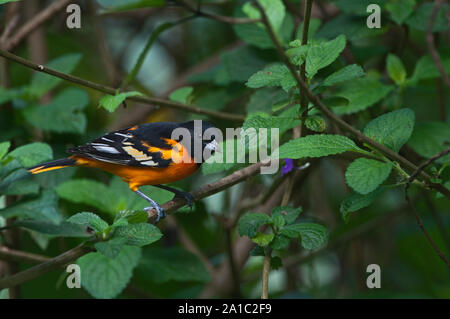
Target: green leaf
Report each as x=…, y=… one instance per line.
x=32, y=154
x=64, y=229
x=62, y=114
x=89, y=220
x=315, y=123
x=43, y=208
x=138, y=234
x=361, y=93
x=313, y=236
x=112, y=247
x=316, y=146
x=88, y=192
x=166, y=264
x=264, y=99
x=4, y=147
x=392, y=129
x=104, y=277
x=41, y=83
x=430, y=138
x=131, y=216
x=280, y=242
x=426, y=69
x=278, y=221
x=420, y=18
x=314, y=25
x=348, y=72
x=132, y=5
x=274, y=9
x=181, y=95
x=249, y=224
x=289, y=213
x=274, y=75
x=355, y=201
x=111, y=102
x=365, y=175
x=275, y=263
x=323, y=54
x=400, y=10
x=263, y=239
x=396, y=69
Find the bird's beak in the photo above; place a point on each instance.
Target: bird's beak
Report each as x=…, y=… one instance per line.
x=214, y=146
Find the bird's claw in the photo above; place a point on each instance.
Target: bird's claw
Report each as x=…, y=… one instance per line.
x=187, y=197
x=161, y=213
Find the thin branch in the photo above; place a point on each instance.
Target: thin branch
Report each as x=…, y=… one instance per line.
x=112, y=91
x=34, y=23
x=210, y=189
x=333, y=117
x=9, y=254
x=265, y=274
x=45, y=267
x=430, y=41
x=416, y=215
x=225, y=19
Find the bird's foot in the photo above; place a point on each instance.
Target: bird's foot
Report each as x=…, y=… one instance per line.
x=161, y=213
x=187, y=197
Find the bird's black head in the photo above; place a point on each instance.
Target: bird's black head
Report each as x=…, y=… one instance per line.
x=204, y=132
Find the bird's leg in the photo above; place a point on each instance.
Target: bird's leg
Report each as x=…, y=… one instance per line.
x=180, y=194
x=159, y=209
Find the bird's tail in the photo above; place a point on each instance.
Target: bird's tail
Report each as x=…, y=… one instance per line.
x=49, y=166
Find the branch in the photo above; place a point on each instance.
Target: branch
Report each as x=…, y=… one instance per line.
x=45, y=267
x=408, y=199
x=9, y=254
x=32, y=25
x=430, y=41
x=225, y=19
x=333, y=117
x=210, y=189
x=112, y=91
x=265, y=275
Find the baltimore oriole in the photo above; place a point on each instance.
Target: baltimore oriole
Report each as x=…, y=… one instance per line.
x=143, y=155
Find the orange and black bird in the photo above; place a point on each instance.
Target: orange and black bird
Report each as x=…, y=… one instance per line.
x=145, y=154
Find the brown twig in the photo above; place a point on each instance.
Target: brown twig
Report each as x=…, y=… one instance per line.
x=430, y=41
x=416, y=215
x=225, y=19
x=109, y=90
x=45, y=267
x=265, y=274
x=34, y=23
x=336, y=119
x=9, y=254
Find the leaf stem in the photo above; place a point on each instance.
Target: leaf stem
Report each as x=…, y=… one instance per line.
x=265, y=274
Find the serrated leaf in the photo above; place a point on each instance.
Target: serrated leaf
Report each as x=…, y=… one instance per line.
x=426, y=69
x=44, y=208
x=111, y=102
x=316, y=146
x=392, y=129
x=278, y=221
x=104, y=277
x=274, y=10
x=161, y=265
x=355, y=201
x=395, y=69
x=315, y=123
x=365, y=175
x=138, y=234
x=249, y=223
x=263, y=239
x=62, y=114
x=4, y=147
x=430, y=138
x=361, y=93
x=181, y=95
x=323, y=54
x=400, y=10
x=112, y=247
x=348, y=72
x=420, y=18
x=32, y=154
x=131, y=216
x=280, y=242
x=89, y=220
x=313, y=236
x=274, y=75
x=264, y=99
x=64, y=229
x=289, y=213
x=42, y=82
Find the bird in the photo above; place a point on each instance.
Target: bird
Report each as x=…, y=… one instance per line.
x=145, y=154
